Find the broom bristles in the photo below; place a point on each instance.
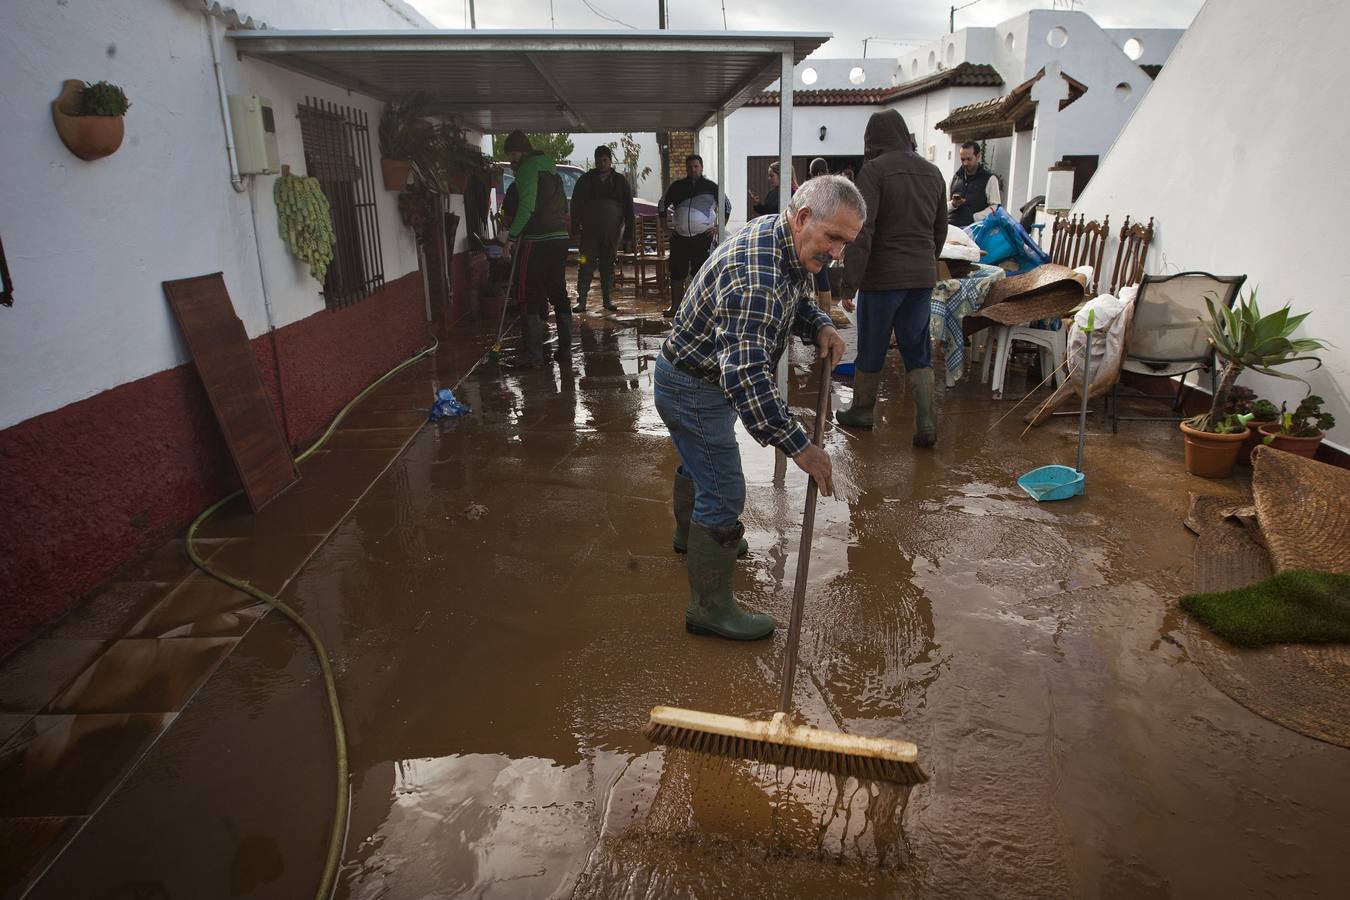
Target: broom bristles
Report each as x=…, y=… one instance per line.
x=780, y=743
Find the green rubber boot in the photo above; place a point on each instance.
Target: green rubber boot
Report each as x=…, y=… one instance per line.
x=925, y=426
x=712, y=608
x=859, y=412
x=683, y=504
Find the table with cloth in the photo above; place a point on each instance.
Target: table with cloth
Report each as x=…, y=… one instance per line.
x=953, y=300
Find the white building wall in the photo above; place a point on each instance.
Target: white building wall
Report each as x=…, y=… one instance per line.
x=1235, y=211
x=753, y=131
x=88, y=243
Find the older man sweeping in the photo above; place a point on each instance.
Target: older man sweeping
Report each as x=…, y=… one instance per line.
x=718, y=365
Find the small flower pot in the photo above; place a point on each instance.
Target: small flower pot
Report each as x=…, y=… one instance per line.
x=1253, y=439
x=1211, y=455
x=396, y=173
x=1299, y=446
x=88, y=137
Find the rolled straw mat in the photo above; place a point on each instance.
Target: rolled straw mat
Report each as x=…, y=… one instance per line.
x=1304, y=509
x=1299, y=686
x=1046, y=292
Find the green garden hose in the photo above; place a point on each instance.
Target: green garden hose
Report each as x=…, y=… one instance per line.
x=342, y=799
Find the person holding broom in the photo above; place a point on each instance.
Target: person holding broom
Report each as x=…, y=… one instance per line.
x=718, y=365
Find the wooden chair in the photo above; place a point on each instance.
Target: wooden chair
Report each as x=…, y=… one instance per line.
x=1131, y=253
x=1078, y=242
x=1063, y=235
x=1090, y=249
x=651, y=259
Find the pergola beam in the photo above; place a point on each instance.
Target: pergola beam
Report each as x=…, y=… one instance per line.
x=532, y=60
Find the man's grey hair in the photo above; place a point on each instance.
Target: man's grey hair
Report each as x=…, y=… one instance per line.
x=826, y=195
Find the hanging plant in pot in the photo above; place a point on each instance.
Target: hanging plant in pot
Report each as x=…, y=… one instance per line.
x=402, y=133
x=1244, y=339
x=448, y=159
x=88, y=118
x=1300, y=431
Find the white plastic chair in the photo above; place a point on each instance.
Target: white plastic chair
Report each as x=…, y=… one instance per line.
x=1053, y=346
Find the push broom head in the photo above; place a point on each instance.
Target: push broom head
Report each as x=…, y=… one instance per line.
x=780, y=743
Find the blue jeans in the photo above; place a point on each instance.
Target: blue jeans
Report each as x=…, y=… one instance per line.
x=904, y=313
x=702, y=424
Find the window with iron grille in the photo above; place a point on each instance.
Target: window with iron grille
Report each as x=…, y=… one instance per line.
x=337, y=152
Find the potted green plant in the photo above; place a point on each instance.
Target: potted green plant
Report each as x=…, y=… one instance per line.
x=1243, y=400
x=88, y=118
x=1244, y=339
x=447, y=160
x=403, y=131
x=1300, y=431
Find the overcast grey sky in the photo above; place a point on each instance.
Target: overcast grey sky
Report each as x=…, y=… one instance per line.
x=849, y=20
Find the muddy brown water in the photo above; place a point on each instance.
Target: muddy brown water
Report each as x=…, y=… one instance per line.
x=504, y=607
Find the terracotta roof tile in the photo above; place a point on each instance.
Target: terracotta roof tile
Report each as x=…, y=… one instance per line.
x=1000, y=116
x=964, y=75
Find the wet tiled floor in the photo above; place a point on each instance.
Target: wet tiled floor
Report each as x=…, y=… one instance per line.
x=82, y=704
x=501, y=607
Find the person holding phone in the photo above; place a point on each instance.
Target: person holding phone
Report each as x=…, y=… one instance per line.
x=974, y=190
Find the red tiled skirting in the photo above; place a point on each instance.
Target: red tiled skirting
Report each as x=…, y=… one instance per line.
x=91, y=485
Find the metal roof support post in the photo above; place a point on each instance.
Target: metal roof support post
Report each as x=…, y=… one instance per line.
x=784, y=192
x=721, y=174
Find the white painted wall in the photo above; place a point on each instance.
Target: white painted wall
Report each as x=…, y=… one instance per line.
x=1208, y=155
x=1095, y=58
x=1018, y=48
x=753, y=131
x=88, y=243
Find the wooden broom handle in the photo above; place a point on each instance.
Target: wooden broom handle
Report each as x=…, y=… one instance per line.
x=804, y=551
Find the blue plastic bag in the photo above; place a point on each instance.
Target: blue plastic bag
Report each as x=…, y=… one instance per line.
x=447, y=406
x=1001, y=237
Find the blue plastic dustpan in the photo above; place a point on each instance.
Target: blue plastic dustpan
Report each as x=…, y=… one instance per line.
x=1052, y=483
x=1063, y=482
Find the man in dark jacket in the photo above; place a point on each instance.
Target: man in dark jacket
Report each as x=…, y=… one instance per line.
x=694, y=201
x=974, y=190
x=892, y=266
x=602, y=213
x=540, y=226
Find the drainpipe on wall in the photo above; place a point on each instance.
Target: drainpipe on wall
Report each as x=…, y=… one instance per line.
x=236, y=180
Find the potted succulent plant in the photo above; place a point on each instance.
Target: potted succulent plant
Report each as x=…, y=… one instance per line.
x=88, y=118
x=1243, y=400
x=403, y=132
x=1244, y=339
x=1302, y=430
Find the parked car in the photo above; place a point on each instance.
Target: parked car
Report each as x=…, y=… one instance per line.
x=569, y=174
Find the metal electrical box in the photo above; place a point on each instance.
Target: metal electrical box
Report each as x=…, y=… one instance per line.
x=255, y=135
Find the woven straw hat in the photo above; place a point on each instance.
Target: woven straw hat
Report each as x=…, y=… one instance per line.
x=1304, y=509
x=1046, y=292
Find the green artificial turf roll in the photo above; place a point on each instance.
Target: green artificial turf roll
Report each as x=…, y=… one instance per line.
x=1294, y=607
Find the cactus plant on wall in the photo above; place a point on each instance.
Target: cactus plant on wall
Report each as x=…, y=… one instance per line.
x=305, y=221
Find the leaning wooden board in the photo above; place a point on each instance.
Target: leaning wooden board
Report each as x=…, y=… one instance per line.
x=229, y=370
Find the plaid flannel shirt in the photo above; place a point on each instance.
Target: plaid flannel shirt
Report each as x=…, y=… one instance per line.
x=737, y=316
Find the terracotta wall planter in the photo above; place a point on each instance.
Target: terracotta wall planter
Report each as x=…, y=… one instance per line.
x=1299, y=446
x=395, y=172
x=88, y=137
x=1211, y=455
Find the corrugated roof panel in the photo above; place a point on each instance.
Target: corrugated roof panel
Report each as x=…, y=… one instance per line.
x=549, y=81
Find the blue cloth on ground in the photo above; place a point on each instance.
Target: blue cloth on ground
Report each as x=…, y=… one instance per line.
x=447, y=406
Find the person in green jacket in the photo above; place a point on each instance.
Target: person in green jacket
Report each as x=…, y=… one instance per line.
x=539, y=227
